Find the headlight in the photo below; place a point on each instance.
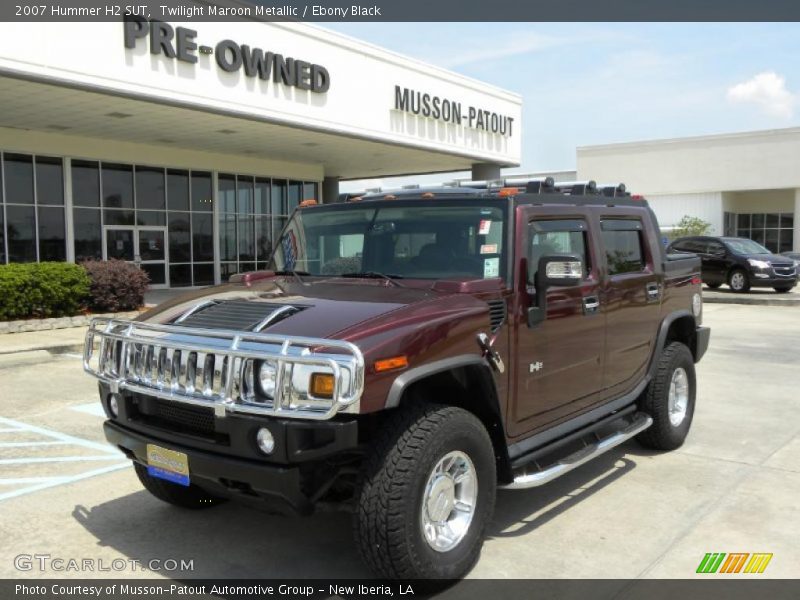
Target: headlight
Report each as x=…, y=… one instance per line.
x=267, y=375
x=758, y=264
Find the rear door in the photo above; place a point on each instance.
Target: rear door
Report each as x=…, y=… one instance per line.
x=559, y=362
x=631, y=298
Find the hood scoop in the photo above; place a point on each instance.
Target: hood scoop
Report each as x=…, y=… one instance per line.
x=237, y=315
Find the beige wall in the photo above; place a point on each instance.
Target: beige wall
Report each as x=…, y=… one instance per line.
x=759, y=201
x=747, y=161
x=159, y=155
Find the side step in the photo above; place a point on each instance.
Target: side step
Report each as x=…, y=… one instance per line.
x=525, y=480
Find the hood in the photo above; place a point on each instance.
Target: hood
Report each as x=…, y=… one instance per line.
x=318, y=309
x=770, y=258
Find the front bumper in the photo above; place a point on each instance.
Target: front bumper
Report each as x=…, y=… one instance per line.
x=277, y=485
x=769, y=278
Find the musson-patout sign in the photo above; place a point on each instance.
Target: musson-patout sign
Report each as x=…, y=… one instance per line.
x=180, y=43
x=451, y=111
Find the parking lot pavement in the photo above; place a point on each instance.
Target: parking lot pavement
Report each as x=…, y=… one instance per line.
x=756, y=296
x=733, y=487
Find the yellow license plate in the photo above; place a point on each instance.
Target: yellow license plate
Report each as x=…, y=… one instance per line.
x=167, y=464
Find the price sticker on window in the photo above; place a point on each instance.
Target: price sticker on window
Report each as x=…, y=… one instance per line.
x=484, y=227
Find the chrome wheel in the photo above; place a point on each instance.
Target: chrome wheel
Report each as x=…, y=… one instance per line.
x=678, y=400
x=737, y=281
x=448, y=502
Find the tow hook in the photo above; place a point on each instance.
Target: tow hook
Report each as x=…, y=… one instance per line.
x=490, y=354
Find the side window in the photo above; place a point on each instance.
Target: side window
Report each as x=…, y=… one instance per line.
x=557, y=237
x=716, y=249
x=622, y=239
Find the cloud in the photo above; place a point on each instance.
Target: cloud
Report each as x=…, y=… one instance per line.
x=768, y=91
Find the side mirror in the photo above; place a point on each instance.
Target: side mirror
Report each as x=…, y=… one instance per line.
x=555, y=270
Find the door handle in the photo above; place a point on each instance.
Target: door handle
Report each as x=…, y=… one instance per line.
x=653, y=291
x=591, y=304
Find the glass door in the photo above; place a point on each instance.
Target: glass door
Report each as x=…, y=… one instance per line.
x=144, y=246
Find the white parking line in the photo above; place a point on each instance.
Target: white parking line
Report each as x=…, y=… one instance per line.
x=105, y=452
x=90, y=408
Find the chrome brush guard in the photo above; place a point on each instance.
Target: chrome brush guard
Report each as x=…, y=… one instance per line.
x=219, y=368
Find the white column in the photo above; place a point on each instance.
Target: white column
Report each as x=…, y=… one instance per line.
x=796, y=221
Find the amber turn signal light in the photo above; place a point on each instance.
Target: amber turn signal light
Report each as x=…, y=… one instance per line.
x=389, y=364
x=321, y=385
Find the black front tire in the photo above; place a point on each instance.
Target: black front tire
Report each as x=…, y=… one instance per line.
x=388, y=518
x=783, y=289
x=739, y=281
x=664, y=434
x=191, y=496
x=713, y=286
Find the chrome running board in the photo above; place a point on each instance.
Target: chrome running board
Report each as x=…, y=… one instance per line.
x=524, y=479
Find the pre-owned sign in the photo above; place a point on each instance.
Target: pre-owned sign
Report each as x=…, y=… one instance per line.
x=179, y=43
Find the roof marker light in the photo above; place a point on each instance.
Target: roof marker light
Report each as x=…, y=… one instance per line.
x=308, y=202
x=507, y=191
x=427, y=195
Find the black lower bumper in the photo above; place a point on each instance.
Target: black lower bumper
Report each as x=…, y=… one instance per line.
x=702, y=337
x=281, y=487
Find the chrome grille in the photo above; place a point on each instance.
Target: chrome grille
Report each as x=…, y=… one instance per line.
x=215, y=367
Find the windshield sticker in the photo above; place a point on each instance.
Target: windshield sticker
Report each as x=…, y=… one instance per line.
x=491, y=267
x=489, y=249
x=484, y=227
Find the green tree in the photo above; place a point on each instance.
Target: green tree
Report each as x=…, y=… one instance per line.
x=689, y=226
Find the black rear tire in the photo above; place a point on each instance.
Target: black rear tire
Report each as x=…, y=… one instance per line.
x=191, y=496
x=783, y=289
x=664, y=433
x=388, y=521
x=713, y=286
x=739, y=281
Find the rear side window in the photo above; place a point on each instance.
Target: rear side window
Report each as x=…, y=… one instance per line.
x=622, y=239
x=566, y=236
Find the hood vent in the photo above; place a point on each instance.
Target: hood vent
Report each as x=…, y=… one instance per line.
x=237, y=315
x=497, y=313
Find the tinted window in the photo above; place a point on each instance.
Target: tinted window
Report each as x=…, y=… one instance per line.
x=150, y=188
x=49, y=181
x=201, y=191
x=117, y=187
x=178, y=190
x=19, y=179
x=86, y=224
x=623, y=243
x=21, y=231
x=85, y=183
x=52, y=238
x=556, y=237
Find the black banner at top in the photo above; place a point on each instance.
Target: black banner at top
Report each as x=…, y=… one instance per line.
x=405, y=10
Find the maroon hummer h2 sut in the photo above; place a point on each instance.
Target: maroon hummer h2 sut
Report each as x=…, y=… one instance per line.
x=409, y=353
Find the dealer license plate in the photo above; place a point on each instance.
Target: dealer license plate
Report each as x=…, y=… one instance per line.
x=168, y=464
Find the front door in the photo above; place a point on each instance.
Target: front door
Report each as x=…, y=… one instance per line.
x=560, y=361
x=144, y=246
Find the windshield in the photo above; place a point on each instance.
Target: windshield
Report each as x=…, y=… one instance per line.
x=446, y=240
x=745, y=247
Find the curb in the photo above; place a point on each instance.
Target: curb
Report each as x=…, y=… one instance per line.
x=28, y=325
x=752, y=301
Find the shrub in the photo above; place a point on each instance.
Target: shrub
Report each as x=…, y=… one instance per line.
x=48, y=289
x=116, y=285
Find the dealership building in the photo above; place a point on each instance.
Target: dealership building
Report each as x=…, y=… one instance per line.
x=183, y=147
x=742, y=184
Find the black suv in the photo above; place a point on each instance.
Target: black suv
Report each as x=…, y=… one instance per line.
x=739, y=262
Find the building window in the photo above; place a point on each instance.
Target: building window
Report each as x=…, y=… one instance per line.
x=32, y=223
x=775, y=231
x=253, y=211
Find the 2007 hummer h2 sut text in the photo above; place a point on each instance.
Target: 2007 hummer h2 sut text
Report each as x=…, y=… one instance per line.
x=407, y=354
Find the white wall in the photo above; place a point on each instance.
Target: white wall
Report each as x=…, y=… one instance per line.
x=671, y=208
x=360, y=101
x=745, y=161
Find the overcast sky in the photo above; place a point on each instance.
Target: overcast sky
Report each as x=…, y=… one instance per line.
x=585, y=84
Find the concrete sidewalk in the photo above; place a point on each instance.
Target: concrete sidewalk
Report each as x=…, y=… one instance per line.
x=56, y=341
x=756, y=296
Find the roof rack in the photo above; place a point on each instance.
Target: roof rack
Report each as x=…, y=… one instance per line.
x=510, y=186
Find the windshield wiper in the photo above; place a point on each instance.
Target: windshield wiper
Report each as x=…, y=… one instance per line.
x=295, y=274
x=376, y=275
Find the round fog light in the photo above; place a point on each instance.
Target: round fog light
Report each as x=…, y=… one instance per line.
x=265, y=441
x=113, y=405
